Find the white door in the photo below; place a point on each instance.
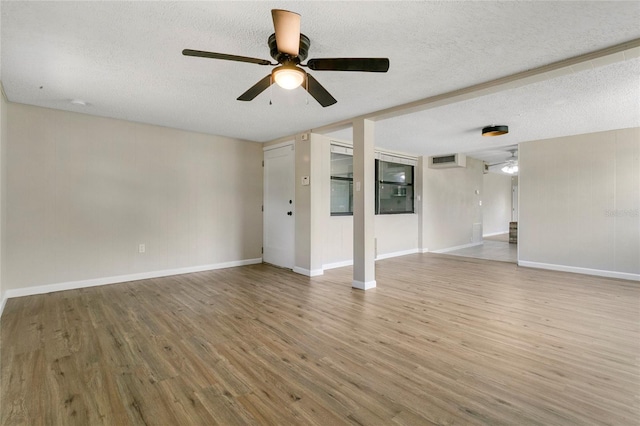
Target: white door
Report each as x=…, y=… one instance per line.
x=279, y=223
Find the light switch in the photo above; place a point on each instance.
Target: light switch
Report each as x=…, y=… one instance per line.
x=305, y=180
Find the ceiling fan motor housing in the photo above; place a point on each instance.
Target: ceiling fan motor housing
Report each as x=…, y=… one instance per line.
x=305, y=43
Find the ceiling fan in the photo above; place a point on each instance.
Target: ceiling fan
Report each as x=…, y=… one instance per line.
x=289, y=48
x=510, y=164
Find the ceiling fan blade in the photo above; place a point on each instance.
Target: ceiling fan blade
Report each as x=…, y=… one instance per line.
x=320, y=94
x=256, y=89
x=212, y=55
x=349, y=64
x=287, y=28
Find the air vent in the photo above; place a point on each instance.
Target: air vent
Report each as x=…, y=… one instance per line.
x=447, y=161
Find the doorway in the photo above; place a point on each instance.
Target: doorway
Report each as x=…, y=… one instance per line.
x=499, y=217
x=278, y=216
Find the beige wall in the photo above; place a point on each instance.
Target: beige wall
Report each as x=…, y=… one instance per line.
x=394, y=234
x=83, y=192
x=450, y=205
x=579, y=203
x=3, y=181
x=496, y=203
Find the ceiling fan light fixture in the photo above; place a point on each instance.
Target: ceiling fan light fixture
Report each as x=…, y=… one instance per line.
x=288, y=77
x=495, y=130
x=510, y=168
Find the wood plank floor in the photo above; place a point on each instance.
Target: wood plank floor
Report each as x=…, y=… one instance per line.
x=441, y=340
x=490, y=250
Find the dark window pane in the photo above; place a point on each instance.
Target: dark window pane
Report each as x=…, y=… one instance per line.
x=394, y=188
x=341, y=184
x=397, y=173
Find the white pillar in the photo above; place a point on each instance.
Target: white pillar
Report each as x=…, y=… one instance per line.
x=364, y=257
x=419, y=194
x=309, y=208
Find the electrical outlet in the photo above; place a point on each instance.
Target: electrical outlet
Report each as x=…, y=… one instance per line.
x=142, y=248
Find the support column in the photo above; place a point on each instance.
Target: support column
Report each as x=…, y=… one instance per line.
x=364, y=256
x=419, y=194
x=309, y=207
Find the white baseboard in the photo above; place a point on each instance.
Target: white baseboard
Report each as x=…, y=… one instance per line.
x=337, y=264
x=448, y=249
x=423, y=250
x=396, y=254
x=72, y=285
x=2, y=303
x=578, y=270
x=380, y=257
x=495, y=233
x=362, y=285
x=307, y=272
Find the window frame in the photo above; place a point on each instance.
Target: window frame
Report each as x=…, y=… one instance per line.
x=380, y=156
x=406, y=185
x=333, y=178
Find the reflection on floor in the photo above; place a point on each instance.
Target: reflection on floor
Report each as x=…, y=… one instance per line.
x=496, y=247
x=500, y=237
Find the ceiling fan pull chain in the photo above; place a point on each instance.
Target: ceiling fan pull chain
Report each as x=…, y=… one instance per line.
x=306, y=96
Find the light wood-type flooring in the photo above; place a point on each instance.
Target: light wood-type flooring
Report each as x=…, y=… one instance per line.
x=441, y=340
x=490, y=250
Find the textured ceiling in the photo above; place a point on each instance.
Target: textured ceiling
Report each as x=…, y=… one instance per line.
x=588, y=101
x=124, y=59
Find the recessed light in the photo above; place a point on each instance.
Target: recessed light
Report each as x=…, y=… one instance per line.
x=78, y=102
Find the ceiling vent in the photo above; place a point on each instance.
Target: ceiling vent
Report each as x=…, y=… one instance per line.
x=448, y=161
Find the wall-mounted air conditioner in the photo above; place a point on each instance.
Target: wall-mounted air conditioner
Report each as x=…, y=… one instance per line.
x=447, y=161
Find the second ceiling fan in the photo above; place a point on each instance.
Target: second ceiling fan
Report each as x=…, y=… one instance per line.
x=289, y=48
x=510, y=164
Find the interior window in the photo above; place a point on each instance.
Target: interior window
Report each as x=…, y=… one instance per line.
x=394, y=188
x=341, y=184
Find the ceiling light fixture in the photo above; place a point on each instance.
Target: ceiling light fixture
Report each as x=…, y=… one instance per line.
x=288, y=77
x=78, y=102
x=495, y=130
x=510, y=168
